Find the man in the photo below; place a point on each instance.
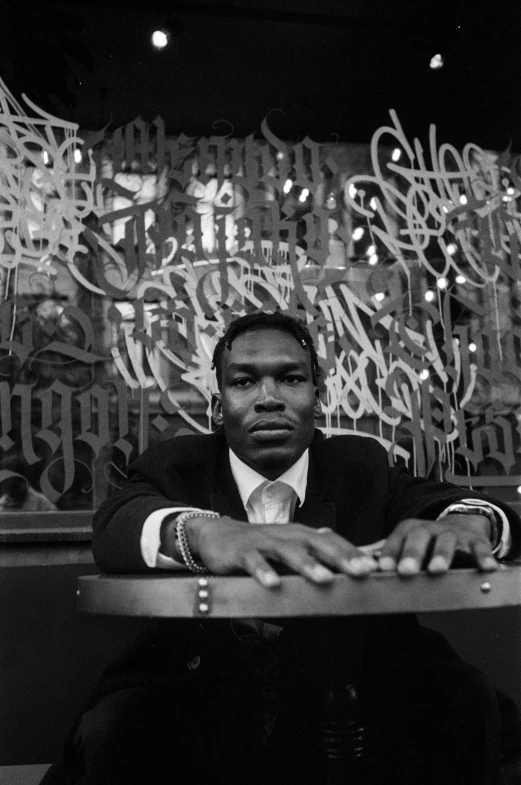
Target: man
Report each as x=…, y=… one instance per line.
x=245, y=707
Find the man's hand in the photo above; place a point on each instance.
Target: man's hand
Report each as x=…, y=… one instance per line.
x=226, y=546
x=417, y=544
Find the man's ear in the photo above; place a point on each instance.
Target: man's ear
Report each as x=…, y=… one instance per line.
x=217, y=409
x=317, y=408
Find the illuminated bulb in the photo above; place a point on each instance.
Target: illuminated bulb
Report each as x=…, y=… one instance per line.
x=288, y=185
x=373, y=204
x=331, y=202
x=519, y=488
x=280, y=155
x=304, y=195
x=373, y=259
x=461, y=279
x=445, y=209
x=451, y=249
x=352, y=191
x=397, y=154
x=429, y=296
x=379, y=296
x=436, y=62
x=358, y=233
x=463, y=199
x=424, y=374
x=45, y=157
x=511, y=191
x=442, y=283
x=77, y=155
x=472, y=347
x=159, y=39
x=371, y=250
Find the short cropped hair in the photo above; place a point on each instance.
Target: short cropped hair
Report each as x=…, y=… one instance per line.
x=263, y=320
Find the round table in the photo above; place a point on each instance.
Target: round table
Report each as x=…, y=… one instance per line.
x=341, y=727
x=177, y=595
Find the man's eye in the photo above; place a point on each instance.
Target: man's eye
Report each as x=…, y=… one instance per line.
x=293, y=379
x=241, y=383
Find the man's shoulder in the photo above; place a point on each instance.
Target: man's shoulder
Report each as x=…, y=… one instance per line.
x=189, y=448
x=349, y=446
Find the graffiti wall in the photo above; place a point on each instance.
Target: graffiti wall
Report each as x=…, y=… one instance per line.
x=123, y=256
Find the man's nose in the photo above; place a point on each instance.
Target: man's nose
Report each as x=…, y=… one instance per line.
x=268, y=397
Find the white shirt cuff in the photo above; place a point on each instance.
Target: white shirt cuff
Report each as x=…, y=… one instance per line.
x=504, y=541
x=151, y=539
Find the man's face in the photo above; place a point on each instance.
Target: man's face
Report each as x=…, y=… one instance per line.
x=268, y=401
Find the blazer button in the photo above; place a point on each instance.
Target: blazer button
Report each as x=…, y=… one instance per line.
x=194, y=662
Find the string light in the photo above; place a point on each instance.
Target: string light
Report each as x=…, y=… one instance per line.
x=429, y=295
x=159, y=39
x=436, y=62
x=371, y=250
x=358, y=233
x=379, y=296
x=424, y=374
x=373, y=259
x=45, y=157
x=352, y=191
x=442, y=283
x=304, y=195
x=397, y=154
x=451, y=249
x=463, y=199
x=461, y=279
x=373, y=204
x=77, y=155
x=288, y=185
x=472, y=347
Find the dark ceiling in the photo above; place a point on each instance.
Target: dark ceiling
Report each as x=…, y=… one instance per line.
x=330, y=69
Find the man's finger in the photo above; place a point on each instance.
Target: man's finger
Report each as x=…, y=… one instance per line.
x=338, y=553
x=256, y=566
x=301, y=561
x=483, y=554
x=413, y=552
x=442, y=553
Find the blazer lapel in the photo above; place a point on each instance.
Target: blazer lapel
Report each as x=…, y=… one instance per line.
x=225, y=498
x=315, y=511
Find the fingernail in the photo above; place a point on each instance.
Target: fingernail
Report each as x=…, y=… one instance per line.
x=357, y=566
x=408, y=566
x=269, y=579
x=387, y=563
x=319, y=573
x=489, y=563
x=438, y=564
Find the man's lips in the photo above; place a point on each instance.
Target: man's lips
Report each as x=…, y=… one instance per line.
x=272, y=427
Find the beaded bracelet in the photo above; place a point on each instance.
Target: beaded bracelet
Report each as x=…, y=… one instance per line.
x=182, y=539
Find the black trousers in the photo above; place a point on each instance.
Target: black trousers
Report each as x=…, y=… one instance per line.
x=428, y=720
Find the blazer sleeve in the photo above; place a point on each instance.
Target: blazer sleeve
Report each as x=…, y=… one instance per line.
x=153, y=483
x=416, y=497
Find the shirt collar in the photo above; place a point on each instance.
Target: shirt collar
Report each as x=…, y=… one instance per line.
x=248, y=479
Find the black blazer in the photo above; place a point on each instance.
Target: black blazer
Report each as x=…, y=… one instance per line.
x=351, y=488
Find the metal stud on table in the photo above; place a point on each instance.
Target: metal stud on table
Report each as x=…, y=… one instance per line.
x=203, y=596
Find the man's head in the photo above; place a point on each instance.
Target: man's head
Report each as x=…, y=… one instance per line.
x=267, y=372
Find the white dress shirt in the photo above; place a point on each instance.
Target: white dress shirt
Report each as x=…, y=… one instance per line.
x=274, y=501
